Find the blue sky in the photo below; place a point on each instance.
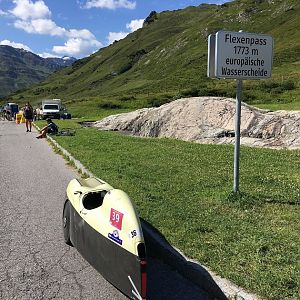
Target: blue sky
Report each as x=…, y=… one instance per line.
x=76, y=27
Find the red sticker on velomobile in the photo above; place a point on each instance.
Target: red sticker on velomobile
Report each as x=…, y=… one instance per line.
x=116, y=218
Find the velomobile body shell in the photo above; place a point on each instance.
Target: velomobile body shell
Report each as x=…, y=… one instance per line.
x=105, y=229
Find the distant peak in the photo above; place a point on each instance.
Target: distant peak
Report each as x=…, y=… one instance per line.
x=151, y=18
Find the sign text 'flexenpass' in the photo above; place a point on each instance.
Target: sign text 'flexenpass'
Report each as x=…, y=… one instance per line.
x=243, y=55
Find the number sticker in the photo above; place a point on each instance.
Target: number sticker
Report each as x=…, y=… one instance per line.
x=116, y=218
x=134, y=233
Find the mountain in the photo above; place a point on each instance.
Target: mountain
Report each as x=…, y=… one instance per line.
x=19, y=68
x=167, y=59
x=65, y=61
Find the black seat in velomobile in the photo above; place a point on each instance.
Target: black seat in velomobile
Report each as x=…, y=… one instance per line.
x=93, y=200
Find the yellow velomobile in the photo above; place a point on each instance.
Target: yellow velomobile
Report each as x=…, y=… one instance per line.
x=102, y=224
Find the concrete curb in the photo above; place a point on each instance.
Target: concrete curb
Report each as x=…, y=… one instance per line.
x=158, y=247
x=78, y=165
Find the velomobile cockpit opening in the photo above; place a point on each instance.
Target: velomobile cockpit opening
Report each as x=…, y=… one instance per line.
x=93, y=200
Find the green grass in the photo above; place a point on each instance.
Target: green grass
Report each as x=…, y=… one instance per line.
x=184, y=190
x=280, y=106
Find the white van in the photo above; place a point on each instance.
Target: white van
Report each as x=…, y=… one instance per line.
x=51, y=108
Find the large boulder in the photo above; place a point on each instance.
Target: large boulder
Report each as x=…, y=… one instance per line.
x=210, y=120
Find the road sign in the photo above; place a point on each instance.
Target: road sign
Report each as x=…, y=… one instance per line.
x=211, y=63
x=239, y=55
x=242, y=55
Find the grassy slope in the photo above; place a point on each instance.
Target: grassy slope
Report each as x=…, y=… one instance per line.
x=184, y=190
x=167, y=59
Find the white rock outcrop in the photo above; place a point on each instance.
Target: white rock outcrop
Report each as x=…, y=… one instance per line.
x=209, y=120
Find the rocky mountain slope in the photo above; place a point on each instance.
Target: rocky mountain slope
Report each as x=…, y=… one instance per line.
x=167, y=59
x=19, y=68
x=209, y=120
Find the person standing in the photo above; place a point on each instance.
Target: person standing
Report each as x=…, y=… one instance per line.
x=28, y=115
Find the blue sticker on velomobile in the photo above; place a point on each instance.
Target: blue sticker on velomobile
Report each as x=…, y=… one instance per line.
x=115, y=237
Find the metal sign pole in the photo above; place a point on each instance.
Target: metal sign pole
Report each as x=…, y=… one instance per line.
x=236, y=166
x=239, y=55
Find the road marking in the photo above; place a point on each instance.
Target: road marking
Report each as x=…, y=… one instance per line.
x=135, y=292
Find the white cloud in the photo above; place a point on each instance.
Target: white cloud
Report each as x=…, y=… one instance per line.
x=41, y=26
x=110, y=4
x=132, y=26
x=26, y=9
x=24, y=25
x=83, y=34
x=34, y=18
x=46, y=26
x=15, y=45
x=116, y=36
x=46, y=55
x=3, y=13
x=77, y=47
x=135, y=25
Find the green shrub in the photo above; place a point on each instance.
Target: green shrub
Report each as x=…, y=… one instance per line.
x=277, y=87
x=268, y=86
x=156, y=102
x=288, y=85
x=109, y=105
x=193, y=92
x=248, y=96
x=125, y=68
x=127, y=98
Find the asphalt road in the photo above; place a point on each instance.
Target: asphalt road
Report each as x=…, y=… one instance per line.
x=35, y=263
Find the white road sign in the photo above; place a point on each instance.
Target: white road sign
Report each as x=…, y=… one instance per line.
x=211, y=63
x=242, y=55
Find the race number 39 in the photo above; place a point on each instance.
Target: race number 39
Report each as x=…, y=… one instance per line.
x=116, y=218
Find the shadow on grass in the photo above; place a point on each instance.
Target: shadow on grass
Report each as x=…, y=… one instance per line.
x=159, y=248
x=245, y=200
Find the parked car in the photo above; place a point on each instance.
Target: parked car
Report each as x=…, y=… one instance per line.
x=10, y=110
x=66, y=115
x=51, y=108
